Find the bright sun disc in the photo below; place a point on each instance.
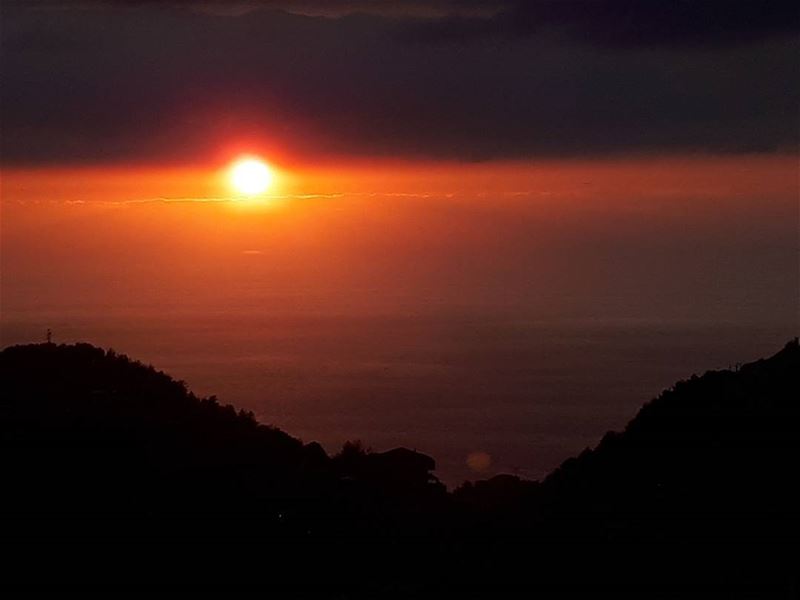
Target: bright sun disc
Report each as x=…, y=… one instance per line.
x=250, y=176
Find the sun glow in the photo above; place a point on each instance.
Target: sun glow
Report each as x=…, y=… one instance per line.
x=250, y=176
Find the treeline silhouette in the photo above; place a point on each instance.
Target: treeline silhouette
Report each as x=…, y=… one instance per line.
x=115, y=474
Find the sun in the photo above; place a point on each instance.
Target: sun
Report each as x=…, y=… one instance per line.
x=250, y=176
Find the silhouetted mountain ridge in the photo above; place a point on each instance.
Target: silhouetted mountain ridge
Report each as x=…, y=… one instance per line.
x=711, y=457
x=91, y=433
x=96, y=446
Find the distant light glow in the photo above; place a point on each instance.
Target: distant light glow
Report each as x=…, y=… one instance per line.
x=479, y=461
x=250, y=176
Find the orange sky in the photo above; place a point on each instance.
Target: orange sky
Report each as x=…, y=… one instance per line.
x=595, y=180
x=671, y=237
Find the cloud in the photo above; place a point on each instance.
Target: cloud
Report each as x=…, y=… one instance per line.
x=166, y=84
x=621, y=23
x=326, y=8
x=605, y=22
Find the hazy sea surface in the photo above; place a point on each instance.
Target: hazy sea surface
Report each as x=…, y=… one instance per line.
x=513, y=328
x=517, y=395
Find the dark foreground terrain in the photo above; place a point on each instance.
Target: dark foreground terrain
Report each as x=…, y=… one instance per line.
x=114, y=475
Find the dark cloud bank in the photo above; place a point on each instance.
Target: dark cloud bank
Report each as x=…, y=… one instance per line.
x=472, y=80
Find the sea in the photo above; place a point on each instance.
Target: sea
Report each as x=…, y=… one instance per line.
x=482, y=394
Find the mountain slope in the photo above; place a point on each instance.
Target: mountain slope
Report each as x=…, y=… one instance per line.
x=91, y=434
x=719, y=447
x=714, y=456
x=112, y=471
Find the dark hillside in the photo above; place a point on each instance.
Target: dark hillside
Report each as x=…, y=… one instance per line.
x=715, y=456
x=93, y=435
x=112, y=471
